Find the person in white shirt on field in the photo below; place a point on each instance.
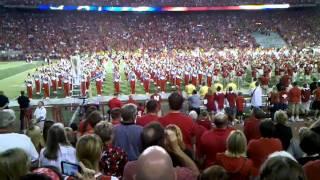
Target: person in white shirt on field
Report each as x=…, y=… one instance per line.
x=40, y=114
x=10, y=140
x=256, y=96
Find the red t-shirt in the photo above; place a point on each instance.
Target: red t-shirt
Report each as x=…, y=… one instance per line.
x=146, y=119
x=240, y=103
x=240, y=168
x=205, y=123
x=210, y=102
x=219, y=97
x=311, y=169
x=231, y=97
x=260, y=149
x=305, y=95
x=294, y=95
x=251, y=128
x=213, y=142
x=115, y=103
x=264, y=80
x=184, y=122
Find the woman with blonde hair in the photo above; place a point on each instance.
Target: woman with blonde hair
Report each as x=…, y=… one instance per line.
x=282, y=130
x=234, y=159
x=89, y=150
x=14, y=163
x=174, y=129
x=34, y=133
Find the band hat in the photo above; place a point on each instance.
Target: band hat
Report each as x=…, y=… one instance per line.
x=7, y=117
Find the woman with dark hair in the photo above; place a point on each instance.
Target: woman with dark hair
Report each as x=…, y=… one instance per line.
x=310, y=145
x=89, y=123
x=57, y=148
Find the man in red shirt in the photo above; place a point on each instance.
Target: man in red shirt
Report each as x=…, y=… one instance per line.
x=115, y=102
x=183, y=121
x=231, y=98
x=294, y=99
x=152, y=110
x=240, y=104
x=214, y=140
x=259, y=149
x=251, y=125
x=305, y=98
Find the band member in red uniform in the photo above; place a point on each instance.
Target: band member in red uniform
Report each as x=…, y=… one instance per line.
x=54, y=84
x=45, y=83
x=209, y=79
x=88, y=82
x=219, y=97
x=60, y=77
x=37, y=83
x=132, y=80
x=178, y=82
x=200, y=74
x=146, y=82
x=186, y=77
x=83, y=86
x=99, y=86
x=66, y=87
x=163, y=83
x=29, y=86
x=194, y=78
x=116, y=82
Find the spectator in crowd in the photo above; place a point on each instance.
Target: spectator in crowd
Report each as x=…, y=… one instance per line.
x=115, y=102
x=43, y=173
x=115, y=116
x=34, y=133
x=251, y=125
x=57, y=148
x=240, y=105
x=113, y=159
x=256, y=96
x=14, y=163
x=282, y=130
x=152, y=111
x=208, y=148
x=40, y=114
x=310, y=145
x=71, y=136
x=89, y=149
x=174, y=116
x=4, y=101
x=209, y=101
x=259, y=149
x=316, y=101
x=24, y=103
x=91, y=120
x=194, y=102
x=281, y=166
x=219, y=99
x=153, y=135
x=9, y=139
x=127, y=134
x=311, y=170
x=314, y=84
x=234, y=159
x=204, y=120
x=214, y=172
x=171, y=128
x=294, y=98
x=231, y=104
x=46, y=127
x=275, y=103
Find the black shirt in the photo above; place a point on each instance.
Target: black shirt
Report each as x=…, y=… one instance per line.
x=3, y=101
x=284, y=133
x=23, y=101
x=313, y=86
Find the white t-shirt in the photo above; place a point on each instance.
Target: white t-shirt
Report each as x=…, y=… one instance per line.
x=65, y=153
x=40, y=113
x=14, y=140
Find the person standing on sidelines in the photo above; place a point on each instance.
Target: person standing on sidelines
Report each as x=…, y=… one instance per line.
x=294, y=99
x=24, y=103
x=256, y=96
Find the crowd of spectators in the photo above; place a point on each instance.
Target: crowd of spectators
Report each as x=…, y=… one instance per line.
x=155, y=2
x=151, y=147
x=62, y=33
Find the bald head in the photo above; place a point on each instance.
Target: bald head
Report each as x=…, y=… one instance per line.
x=155, y=164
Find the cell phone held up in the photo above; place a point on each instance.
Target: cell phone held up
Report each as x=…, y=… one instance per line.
x=70, y=169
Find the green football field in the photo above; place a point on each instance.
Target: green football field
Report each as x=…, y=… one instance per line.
x=13, y=74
